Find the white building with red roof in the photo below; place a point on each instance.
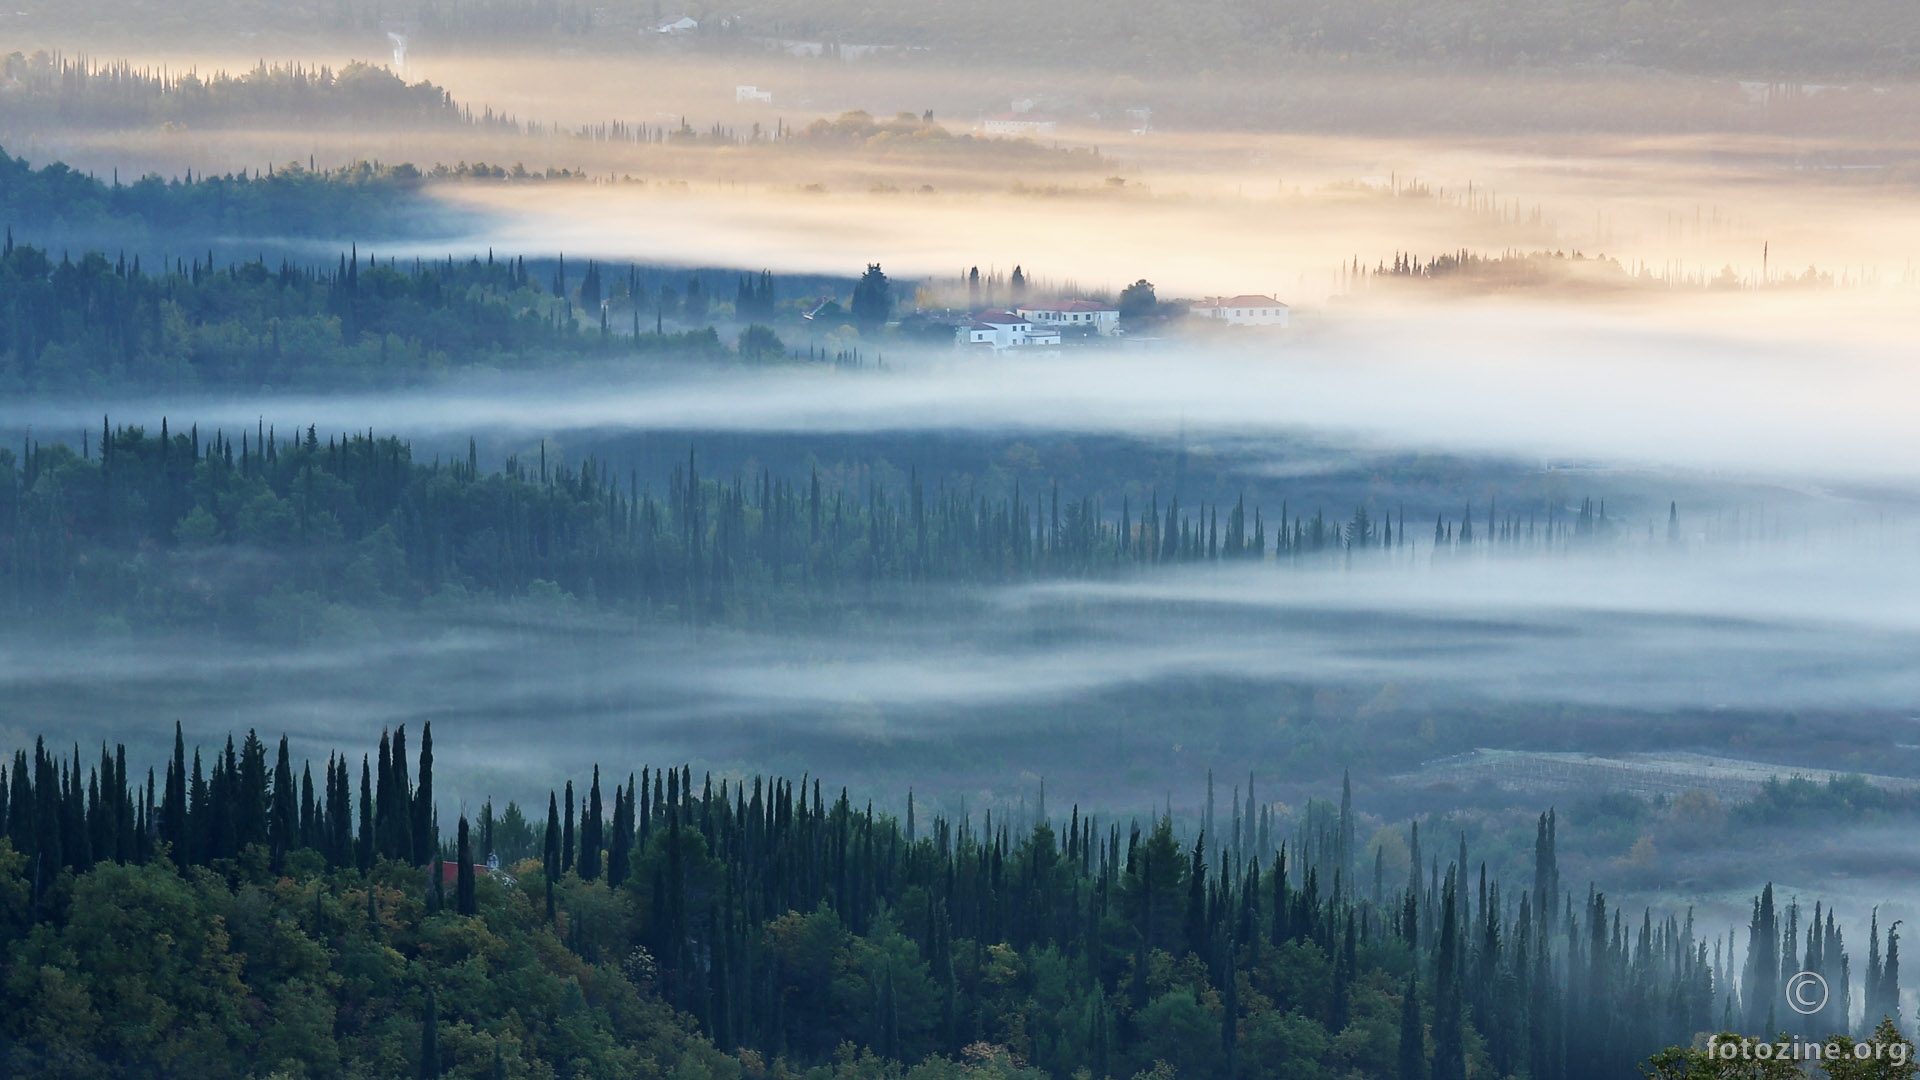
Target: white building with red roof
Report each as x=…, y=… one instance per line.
x=1102, y=319
x=1245, y=310
x=1001, y=331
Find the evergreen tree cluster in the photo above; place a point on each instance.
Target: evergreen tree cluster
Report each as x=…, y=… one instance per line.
x=801, y=932
x=125, y=526
x=365, y=322
x=50, y=87
x=296, y=199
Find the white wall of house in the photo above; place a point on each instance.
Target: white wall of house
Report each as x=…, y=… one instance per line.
x=1102, y=319
x=1001, y=331
x=1244, y=311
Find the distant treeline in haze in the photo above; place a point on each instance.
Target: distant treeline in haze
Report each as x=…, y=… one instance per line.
x=78, y=93
x=99, y=322
x=363, y=199
x=127, y=526
x=1777, y=38
x=229, y=915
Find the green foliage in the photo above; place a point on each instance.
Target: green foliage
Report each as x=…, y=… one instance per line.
x=197, y=933
x=759, y=342
x=355, y=200
x=193, y=325
x=872, y=302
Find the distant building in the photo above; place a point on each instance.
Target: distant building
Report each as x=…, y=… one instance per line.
x=1246, y=310
x=1003, y=330
x=1140, y=119
x=752, y=95
x=682, y=25
x=1018, y=124
x=1102, y=319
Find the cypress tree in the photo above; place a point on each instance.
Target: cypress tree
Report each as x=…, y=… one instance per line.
x=590, y=832
x=550, y=851
x=363, y=856
x=430, y=1039
x=1413, y=1035
x=424, y=840
x=464, y=900
x=173, y=807
x=566, y=833
x=282, y=819
x=1449, y=1045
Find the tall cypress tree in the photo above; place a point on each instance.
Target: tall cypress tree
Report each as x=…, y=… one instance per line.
x=464, y=900
x=590, y=832
x=1449, y=1043
x=424, y=841
x=363, y=856
x=566, y=833
x=620, y=844
x=282, y=818
x=1413, y=1034
x=173, y=807
x=430, y=1038
x=550, y=850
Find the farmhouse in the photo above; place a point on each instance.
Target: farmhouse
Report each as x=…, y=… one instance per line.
x=1004, y=330
x=1102, y=319
x=1017, y=124
x=1245, y=310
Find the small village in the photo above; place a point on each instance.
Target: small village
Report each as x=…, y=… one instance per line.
x=1047, y=325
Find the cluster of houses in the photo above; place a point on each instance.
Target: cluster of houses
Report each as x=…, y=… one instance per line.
x=1036, y=326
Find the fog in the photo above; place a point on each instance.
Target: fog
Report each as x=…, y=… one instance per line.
x=1800, y=394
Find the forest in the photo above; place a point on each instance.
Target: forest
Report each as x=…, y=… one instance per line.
x=228, y=915
x=134, y=526
x=52, y=88
x=363, y=199
x=97, y=322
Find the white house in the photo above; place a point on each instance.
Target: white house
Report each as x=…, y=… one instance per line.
x=683, y=25
x=1245, y=310
x=1003, y=330
x=752, y=95
x=1102, y=319
x=1017, y=125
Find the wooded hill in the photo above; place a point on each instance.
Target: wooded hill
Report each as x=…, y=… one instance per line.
x=219, y=917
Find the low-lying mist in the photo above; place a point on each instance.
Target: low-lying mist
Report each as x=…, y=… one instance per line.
x=1802, y=394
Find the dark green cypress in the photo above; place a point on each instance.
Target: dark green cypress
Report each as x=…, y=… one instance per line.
x=1413, y=1035
x=590, y=832
x=464, y=900
x=363, y=855
x=566, y=833
x=550, y=851
x=282, y=826
x=1449, y=1044
x=424, y=842
x=430, y=1039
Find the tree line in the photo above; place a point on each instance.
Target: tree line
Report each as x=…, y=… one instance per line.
x=122, y=524
x=366, y=322
x=50, y=87
x=759, y=926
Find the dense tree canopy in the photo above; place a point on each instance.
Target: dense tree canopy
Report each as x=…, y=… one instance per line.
x=220, y=917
